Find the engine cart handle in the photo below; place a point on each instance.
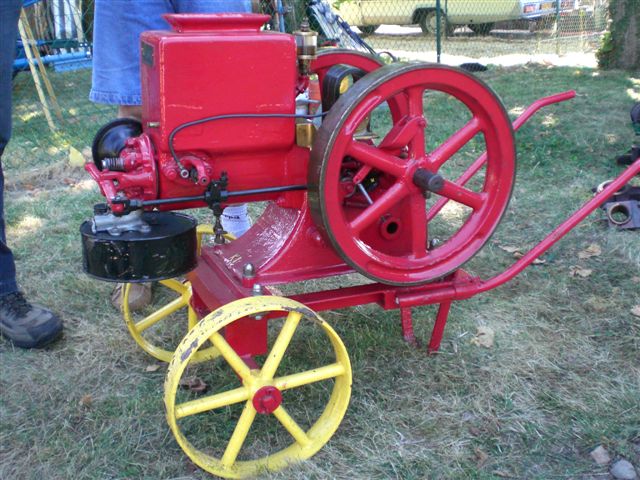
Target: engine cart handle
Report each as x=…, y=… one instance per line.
x=466, y=291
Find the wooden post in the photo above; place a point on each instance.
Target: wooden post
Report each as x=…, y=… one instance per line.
x=36, y=54
x=35, y=75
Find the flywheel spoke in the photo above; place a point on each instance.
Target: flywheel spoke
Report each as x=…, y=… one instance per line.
x=229, y=354
x=211, y=402
x=280, y=345
x=462, y=195
x=376, y=158
x=239, y=435
x=310, y=376
x=454, y=143
x=419, y=234
x=416, y=110
x=380, y=206
x=415, y=96
x=291, y=426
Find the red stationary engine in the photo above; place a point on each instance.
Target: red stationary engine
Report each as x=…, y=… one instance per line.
x=372, y=184
x=225, y=119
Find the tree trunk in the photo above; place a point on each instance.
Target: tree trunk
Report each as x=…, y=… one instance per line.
x=621, y=44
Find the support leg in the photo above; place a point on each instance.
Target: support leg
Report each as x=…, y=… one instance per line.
x=438, y=327
x=407, y=327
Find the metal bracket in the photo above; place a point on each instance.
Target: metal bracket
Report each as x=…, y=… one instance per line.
x=117, y=225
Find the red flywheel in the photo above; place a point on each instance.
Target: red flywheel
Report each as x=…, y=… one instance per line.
x=370, y=193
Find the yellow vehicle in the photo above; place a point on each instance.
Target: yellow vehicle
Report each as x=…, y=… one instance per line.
x=479, y=15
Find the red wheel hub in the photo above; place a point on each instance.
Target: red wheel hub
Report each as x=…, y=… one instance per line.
x=267, y=399
x=356, y=185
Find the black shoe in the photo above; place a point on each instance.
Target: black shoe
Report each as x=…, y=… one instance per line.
x=26, y=325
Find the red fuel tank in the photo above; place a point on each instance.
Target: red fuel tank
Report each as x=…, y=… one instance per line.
x=213, y=65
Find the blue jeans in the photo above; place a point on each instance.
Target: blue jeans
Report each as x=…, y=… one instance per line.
x=117, y=26
x=9, y=13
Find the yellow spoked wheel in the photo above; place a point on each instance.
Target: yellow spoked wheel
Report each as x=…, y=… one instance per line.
x=141, y=328
x=252, y=419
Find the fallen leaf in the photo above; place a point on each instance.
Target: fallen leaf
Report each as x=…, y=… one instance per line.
x=481, y=456
x=509, y=249
x=28, y=186
x=635, y=279
x=502, y=473
x=517, y=253
x=600, y=455
x=86, y=401
x=576, y=271
x=154, y=367
x=193, y=384
x=636, y=311
x=592, y=250
x=484, y=337
x=75, y=157
x=475, y=431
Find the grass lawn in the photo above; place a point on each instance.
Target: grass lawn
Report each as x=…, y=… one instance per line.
x=562, y=377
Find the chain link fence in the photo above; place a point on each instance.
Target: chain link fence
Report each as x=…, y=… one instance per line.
x=52, y=71
x=490, y=31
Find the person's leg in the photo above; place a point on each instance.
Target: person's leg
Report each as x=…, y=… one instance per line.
x=116, y=47
x=9, y=13
x=26, y=325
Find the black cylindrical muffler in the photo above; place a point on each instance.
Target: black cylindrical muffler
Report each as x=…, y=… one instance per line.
x=156, y=246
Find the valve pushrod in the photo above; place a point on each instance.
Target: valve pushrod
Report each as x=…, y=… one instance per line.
x=136, y=204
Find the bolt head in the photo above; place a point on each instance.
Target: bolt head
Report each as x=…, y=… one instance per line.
x=249, y=270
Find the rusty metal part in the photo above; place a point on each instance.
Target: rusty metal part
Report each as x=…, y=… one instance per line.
x=623, y=207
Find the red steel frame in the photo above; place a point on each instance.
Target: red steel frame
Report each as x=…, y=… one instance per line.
x=218, y=279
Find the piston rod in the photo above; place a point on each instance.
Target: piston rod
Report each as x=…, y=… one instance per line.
x=137, y=204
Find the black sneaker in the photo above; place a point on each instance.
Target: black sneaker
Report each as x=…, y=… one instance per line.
x=26, y=325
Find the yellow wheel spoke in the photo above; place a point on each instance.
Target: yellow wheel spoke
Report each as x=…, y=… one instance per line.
x=292, y=427
x=239, y=435
x=192, y=318
x=211, y=402
x=280, y=346
x=159, y=314
x=175, y=285
x=310, y=376
x=229, y=354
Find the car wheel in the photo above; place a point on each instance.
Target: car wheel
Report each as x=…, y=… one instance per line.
x=428, y=23
x=368, y=29
x=481, y=28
